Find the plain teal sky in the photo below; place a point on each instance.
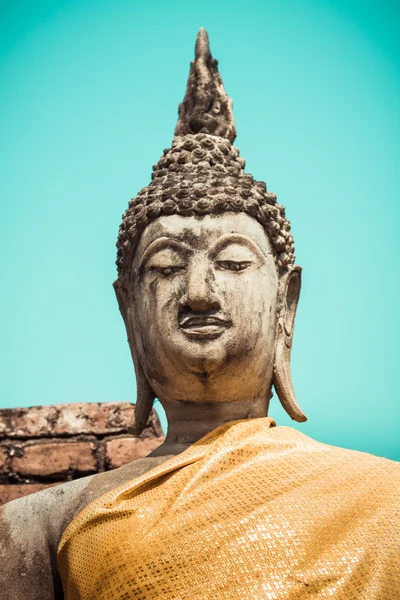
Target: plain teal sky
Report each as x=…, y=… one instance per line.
x=89, y=91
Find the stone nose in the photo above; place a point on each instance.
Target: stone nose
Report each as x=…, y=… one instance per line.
x=200, y=295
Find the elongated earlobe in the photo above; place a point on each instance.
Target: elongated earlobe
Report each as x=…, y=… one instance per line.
x=144, y=402
x=282, y=378
x=145, y=395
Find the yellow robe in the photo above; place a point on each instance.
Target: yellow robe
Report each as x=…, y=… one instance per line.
x=249, y=512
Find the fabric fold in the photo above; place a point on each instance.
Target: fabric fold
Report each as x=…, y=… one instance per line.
x=250, y=511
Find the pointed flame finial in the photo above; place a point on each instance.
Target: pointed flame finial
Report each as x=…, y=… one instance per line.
x=206, y=107
x=202, y=45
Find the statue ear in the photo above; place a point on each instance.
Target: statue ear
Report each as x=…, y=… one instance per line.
x=282, y=378
x=145, y=395
x=144, y=401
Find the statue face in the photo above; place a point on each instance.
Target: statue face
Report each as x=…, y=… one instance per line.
x=203, y=310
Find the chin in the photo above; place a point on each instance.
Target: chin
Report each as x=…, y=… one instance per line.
x=201, y=357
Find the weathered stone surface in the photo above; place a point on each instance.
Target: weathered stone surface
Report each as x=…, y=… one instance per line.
x=19, y=490
x=56, y=459
x=121, y=451
x=70, y=419
x=204, y=92
x=200, y=183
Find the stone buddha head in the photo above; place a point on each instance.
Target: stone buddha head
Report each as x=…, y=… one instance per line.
x=207, y=285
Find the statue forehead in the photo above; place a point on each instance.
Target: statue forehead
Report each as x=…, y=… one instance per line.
x=202, y=232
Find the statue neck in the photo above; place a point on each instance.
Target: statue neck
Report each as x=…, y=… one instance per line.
x=190, y=421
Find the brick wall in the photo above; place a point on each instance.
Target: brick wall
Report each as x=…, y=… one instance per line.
x=44, y=446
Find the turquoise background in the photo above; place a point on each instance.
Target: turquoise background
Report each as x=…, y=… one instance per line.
x=89, y=96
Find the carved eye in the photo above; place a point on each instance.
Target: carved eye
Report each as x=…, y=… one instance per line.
x=166, y=262
x=236, y=257
x=167, y=271
x=231, y=265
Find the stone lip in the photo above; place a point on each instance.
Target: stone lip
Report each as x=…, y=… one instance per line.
x=93, y=418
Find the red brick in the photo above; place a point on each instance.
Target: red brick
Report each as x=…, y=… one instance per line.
x=19, y=490
x=51, y=459
x=71, y=419
x=121, y=451
x=3, y=459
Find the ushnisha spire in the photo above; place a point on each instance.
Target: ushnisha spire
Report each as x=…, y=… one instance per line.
x=206, y=107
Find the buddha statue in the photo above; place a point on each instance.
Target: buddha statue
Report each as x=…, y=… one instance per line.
x=230, y=506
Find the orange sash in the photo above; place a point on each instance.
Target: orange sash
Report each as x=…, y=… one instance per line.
x=249, y=512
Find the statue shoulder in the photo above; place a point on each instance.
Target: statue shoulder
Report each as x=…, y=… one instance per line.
x=31, y=529
x=29, y=532
x=104, y=482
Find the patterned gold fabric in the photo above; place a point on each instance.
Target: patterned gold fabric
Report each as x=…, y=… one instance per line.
x=251, y=511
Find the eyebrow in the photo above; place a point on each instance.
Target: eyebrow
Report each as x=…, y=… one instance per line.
x=236, y=238
x=162, y=244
